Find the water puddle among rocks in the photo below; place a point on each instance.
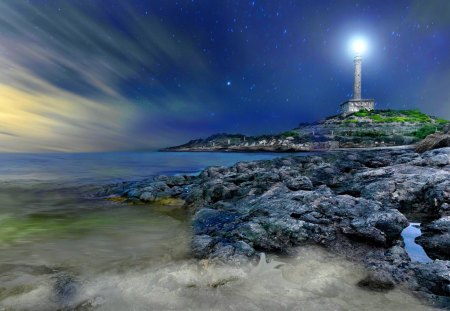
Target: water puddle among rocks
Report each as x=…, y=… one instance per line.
x=414, y=250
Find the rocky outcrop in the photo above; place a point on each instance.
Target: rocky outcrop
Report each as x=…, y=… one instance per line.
x=352, y=203
x=434, y=276
x=280, y=219
x=434, y=141
x=436, y=238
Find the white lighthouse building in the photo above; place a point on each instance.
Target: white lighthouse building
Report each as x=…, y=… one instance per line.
x=357, y=103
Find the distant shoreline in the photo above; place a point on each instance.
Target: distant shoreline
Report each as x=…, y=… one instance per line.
x=363, y=130
x=262, y=150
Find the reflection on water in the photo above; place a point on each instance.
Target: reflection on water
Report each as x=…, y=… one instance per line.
x=63, y=248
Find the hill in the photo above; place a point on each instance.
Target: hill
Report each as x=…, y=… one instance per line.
x=363, y=129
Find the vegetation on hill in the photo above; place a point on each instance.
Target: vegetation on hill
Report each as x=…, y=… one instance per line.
x=426, y=130
x=289, y=134
x=390, y=116
x=360, y=129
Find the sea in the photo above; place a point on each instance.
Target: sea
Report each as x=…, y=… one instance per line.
x=64, y=248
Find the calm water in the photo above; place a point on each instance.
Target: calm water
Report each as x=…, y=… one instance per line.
x=415, y=251
x=60, y=247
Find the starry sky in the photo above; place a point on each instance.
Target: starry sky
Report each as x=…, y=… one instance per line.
x=106, y=75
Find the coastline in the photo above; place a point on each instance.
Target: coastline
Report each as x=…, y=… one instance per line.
x=353, y=202
x=278, y=150
x=363, y=130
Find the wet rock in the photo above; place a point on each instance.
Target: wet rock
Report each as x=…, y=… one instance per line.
x=65, y=288
x=147, y=196
x=210, y=221
x=435, y=238
x=348, y=202
x=299, y=183
x=439, y=195
x=90, y=304
x=217, y=190
x=437, y=158
x=377, y=281
x=280, y=219
x=434, y=276
x=214, y=172
x=201, y=245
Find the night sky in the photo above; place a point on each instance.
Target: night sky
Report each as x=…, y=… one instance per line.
x=135, y=75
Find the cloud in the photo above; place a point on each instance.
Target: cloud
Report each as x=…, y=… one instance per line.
x=71, y=76
x=60, y=121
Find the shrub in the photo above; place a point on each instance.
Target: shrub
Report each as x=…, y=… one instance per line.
x=425, y=130
x=362, y=113
x=289, y=133
x=388, y=115
x=441, y=121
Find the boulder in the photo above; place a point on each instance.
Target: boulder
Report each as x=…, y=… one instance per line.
x=434, y=141
x=377, y=281
x=435, y=238
x=434, y=276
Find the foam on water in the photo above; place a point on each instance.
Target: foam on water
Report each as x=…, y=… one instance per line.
x=313, y=280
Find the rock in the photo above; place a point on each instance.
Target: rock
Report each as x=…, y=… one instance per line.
x=211, y=222
x=434, y=141
x=439, y=196
x=434, y=276
x=217, y=190
x=147, y=196
x=435, y=238
x=378, y=281
x=438, y=157
x=281, y=219
x=90, y=304
x=299, y=183
x=65, y=288
x=351, y=203
x=201, y=245
x=382, y=226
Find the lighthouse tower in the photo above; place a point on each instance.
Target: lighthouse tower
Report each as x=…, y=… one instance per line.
x=357, y=103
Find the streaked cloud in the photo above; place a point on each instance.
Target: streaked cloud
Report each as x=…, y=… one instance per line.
x=68, y=75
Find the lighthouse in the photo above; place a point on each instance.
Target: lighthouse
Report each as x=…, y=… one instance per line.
x=356, y=103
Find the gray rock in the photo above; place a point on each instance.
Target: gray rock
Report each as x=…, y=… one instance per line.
x=434, y=276
x=435, y=238
x=201, y=245
x=434, y=141
x=378, y=281
x=299, y=183
x=65, y=288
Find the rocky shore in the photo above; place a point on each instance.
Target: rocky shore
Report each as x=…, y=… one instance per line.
x=354, y=204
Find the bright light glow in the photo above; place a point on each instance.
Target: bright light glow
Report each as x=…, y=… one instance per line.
x=358, y=46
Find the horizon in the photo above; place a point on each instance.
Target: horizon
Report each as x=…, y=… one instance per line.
x=95, y=77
